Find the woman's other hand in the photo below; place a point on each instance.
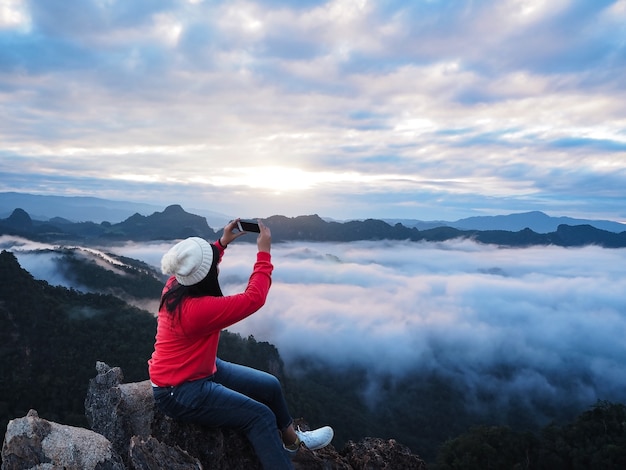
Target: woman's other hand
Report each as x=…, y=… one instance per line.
x=264, y=240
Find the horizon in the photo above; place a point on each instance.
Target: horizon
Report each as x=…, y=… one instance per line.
x=345, y=108
x=229, y=217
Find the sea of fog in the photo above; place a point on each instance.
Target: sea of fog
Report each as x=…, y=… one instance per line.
x=544, y=323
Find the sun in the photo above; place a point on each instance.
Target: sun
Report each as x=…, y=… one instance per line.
x=278, y=179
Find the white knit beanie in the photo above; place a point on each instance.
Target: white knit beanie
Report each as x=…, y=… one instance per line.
x=189, y=260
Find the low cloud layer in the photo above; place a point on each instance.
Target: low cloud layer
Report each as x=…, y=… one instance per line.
x=538, y=324
x=542, y=324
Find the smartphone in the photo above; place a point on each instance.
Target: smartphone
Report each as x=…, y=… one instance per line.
x=248, y=226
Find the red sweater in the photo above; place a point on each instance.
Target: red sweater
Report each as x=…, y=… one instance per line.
x=186, y=346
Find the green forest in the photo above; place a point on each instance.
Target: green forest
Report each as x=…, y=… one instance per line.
x=51, y=338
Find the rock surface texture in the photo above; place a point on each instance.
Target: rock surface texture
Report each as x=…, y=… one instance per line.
x=129, y=433
x=34, y=443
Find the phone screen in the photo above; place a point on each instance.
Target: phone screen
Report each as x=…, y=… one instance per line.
x=246, y=226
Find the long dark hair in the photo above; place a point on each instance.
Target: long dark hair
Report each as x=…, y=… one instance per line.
x=209, y=286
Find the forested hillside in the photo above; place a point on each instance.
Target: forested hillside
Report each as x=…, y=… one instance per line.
x=594, y=440
x=51, y=338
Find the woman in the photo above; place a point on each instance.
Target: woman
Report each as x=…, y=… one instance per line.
x=189, y=382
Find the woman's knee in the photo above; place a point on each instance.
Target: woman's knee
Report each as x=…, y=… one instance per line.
x=262, y=419
x=272, y=390
x=273, y=383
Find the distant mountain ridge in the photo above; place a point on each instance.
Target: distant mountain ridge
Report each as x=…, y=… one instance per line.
x=537, y=221
x=172, y=223
x=175, y=223
x=80, y=209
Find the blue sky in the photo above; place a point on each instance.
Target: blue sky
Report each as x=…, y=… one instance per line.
x=350, y=108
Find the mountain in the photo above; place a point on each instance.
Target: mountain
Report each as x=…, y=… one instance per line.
x=314, y=228
x=76, y=209
x=536, y=221
x=175, y=223
x=97, y=210
x=80, y=208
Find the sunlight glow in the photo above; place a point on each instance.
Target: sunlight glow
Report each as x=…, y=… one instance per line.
x=139, y=178
x=535, y=10
x=13, y=14
x=284, y=179
x=618, y=7
x=276, y=178
x=168, y=29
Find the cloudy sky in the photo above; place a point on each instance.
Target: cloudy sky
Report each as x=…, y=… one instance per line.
x=428, y=109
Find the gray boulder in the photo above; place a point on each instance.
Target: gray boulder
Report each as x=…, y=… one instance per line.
x=35, y=443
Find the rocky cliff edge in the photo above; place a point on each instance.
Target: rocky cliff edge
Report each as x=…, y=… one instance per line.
x=128, y=432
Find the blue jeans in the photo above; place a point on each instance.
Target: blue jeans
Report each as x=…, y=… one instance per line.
x=237, y=397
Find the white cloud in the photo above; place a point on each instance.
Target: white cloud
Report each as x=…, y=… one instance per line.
x=554, y=316
x=14, y=15
x=539, y=324
x=477, y=106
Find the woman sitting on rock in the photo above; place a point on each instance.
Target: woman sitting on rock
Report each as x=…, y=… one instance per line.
x=190, y=382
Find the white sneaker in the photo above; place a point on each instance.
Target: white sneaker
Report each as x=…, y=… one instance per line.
x=317, y=438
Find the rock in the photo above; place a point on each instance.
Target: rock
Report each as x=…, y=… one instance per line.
x=35, y=443
x=118, y=411
x=380, y=454
x=129, y=432
x=326, y=459
x=150, y=454
x=215, y=448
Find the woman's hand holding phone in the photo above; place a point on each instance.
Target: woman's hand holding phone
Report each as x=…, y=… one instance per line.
x=230, y=233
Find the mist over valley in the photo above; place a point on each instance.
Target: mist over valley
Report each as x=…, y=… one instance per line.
x=523, y=336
